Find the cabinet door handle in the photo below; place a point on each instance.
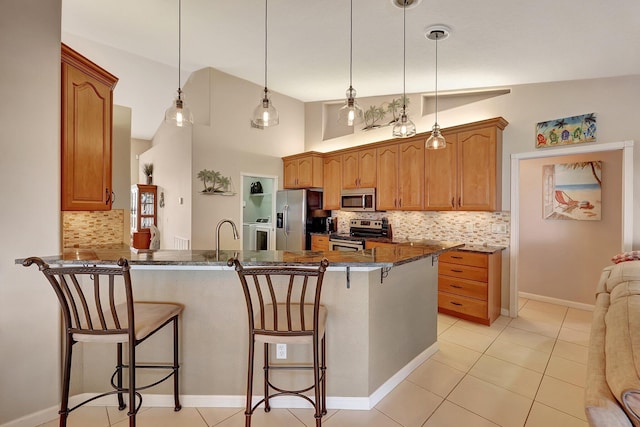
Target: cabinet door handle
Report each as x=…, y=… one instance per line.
x=456, y=286
x=113, y=197
x=456, y=257
x=108, y=194
x=456, y=303
x=453, y=205
x=459, y=201
x=457, y=271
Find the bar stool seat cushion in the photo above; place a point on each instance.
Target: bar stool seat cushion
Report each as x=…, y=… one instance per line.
x=149, y=316
x=296, y=324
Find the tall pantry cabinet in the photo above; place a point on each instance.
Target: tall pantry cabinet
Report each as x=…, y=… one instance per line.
x=87, y=110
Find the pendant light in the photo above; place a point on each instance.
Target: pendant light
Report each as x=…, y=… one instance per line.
x=265, y=113
x=179, y=114
x=436, y=140
x=404, y=127
x=351, y=113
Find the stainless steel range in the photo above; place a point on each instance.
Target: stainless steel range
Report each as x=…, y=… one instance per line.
x=359, y=231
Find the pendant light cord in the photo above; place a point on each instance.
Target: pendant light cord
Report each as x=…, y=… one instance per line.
x=404, y=57
x=437, y=37
x=179, y=43
x=351, y=46
x=266, y=6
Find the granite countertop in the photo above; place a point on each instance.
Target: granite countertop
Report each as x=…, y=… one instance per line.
x=487, y=249
x=378, y=257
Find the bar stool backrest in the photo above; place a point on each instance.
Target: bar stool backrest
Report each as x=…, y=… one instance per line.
x=282, y=301
x=89, y=297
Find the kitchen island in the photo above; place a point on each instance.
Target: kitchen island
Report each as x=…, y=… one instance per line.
x=382, y=306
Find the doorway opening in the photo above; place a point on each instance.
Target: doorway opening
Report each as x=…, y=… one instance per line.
x=518, y=161
x=258, y=207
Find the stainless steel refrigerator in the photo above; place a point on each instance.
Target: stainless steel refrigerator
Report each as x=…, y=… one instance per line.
x=291, y=220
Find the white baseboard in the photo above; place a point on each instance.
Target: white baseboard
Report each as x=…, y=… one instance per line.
x=221, y=401
x=398, y=377
x=557, y=301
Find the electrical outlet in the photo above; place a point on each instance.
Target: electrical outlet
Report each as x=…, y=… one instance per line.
x=498, y=228
x=281, y=351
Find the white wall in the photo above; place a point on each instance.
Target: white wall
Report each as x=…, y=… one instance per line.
x=614, y=100
x=30, y=218
x=171, y=157
x=221, y=139
x=229, y=145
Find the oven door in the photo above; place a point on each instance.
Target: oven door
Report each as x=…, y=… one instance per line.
x=262, y=237
x=343, y=245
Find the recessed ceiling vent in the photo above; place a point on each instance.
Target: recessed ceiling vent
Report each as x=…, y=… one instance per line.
x=405, y=3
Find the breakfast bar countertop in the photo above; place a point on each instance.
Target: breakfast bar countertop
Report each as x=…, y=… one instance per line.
x=378, y=258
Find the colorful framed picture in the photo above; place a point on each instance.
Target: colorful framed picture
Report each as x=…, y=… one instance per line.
x=570, y=130
x=572, y=191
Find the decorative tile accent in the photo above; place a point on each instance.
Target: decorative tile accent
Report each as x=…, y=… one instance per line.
x=81, y=228
x=475, y=228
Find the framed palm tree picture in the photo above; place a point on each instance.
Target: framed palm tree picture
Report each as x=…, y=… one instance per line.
x=569, y=130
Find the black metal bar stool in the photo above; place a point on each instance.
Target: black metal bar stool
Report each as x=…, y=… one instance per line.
x=92, y=312
x=283, y=305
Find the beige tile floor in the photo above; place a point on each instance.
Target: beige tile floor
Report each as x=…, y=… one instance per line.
x=524, y=372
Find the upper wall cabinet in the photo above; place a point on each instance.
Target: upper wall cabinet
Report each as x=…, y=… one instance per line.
x=303, y=170
x=87, y=106
x=332, y=180
x=359, y=169
x=466, y=175
x=400, y=176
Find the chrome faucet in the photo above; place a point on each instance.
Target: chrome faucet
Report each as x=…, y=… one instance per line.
x=235, y=233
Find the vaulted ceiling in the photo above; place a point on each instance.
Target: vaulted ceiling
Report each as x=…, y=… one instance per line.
x=493, y=43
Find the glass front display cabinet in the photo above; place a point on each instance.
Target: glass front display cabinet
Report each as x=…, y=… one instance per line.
x=143, y=212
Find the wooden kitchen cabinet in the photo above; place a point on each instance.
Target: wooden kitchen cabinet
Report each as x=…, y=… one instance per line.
x=87, y=107
x=302, y=170
x=400, y=184
x=319, y=242
x=469, y=285
x=368, y=244
x=332, y=182
x=359, y=169
x=465, y=175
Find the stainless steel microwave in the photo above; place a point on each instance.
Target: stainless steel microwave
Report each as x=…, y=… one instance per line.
x=359, y=200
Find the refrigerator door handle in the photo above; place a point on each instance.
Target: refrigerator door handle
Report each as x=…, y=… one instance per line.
x=285, y=210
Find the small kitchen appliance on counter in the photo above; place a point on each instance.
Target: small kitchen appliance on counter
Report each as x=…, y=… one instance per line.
x=359, y=231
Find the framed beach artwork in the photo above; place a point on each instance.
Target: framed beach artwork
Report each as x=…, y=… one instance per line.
x=569, y=130
x=572, y=191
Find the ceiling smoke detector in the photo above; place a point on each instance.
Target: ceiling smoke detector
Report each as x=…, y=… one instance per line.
x=409, y=4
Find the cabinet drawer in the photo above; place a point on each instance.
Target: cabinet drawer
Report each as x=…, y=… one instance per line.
x=463, y=271
x=319, y=243
x=463, y=305
x=465, y=258
x=462, y=287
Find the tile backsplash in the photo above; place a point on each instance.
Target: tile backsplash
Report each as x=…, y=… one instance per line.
x=81, y=228
x=477, y=228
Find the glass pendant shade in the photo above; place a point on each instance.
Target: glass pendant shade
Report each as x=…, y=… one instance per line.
x=265, y=114
x=404, y=127
x=436, y=141
x=351, y=114
x=179, y=114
